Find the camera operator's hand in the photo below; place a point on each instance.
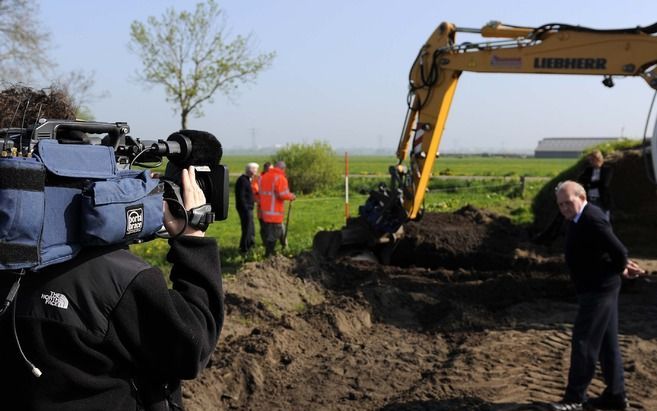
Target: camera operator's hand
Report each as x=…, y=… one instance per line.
x=192, y=197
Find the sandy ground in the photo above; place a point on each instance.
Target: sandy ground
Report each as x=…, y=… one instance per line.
x=489, y=333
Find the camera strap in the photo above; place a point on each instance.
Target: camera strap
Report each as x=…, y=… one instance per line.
x=200, y=217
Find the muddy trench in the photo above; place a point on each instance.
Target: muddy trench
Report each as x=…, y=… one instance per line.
x=471, y=316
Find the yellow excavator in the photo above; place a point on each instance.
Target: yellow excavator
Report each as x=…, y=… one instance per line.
x=548, y=49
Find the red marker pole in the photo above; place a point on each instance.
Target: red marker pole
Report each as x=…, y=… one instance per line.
x=346, y=185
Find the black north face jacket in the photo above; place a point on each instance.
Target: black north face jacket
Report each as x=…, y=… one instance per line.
x=106, y=332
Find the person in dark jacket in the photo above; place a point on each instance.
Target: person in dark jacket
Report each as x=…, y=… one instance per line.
x=105, y=331
x=596, y=259
x=596, y=179
x=244, y=202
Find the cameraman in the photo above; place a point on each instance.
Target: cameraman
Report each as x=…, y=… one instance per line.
x=106, y=332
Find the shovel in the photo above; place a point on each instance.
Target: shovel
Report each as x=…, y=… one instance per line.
x=287, y=225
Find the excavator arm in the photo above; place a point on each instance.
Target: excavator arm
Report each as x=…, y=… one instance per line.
x=549, y=49
x=434, y=75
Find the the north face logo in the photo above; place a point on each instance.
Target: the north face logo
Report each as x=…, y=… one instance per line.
x=55, y=299
x=134, y=220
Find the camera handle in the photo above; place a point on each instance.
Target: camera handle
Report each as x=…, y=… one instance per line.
x=199, y=217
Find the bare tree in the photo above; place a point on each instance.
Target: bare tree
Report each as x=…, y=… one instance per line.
x=24, y=52
x=22, y=41
x=192, y=55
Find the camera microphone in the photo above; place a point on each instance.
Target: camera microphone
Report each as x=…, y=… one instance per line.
x=189, y=148
x=203, y=151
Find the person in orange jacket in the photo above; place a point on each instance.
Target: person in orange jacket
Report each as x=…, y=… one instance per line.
x=258, y=181
x=273, y=192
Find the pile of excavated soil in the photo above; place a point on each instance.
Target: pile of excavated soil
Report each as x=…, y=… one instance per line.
x=303, y=334
x=468, y=238
x=633, y=194
x=635, y=201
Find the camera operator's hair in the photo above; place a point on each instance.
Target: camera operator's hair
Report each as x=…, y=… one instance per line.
x=25, y=105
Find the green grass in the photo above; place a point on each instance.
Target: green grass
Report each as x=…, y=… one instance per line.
x=446, y=165
x=499, y=195
x=309, y=215
x=325, y=211
x=467, y=166
x=496, y=166
x=501, y=166
x=313, y=214
x=236, y=163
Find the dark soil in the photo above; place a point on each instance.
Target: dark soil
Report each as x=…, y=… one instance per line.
x=469, y=238
x=478, y=319
x=634, y=200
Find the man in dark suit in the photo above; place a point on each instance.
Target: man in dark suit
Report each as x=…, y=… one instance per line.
x=244, y=202
x=596, y=260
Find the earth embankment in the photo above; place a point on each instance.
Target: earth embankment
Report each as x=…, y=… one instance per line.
x=471, y=317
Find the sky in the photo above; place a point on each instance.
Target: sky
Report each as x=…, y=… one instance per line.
x=341, y=73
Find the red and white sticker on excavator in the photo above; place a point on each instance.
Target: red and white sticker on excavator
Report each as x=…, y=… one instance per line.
x=417, y=141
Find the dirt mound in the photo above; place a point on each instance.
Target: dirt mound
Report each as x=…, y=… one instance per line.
x=304, y=334
x=633, y=195
x=635, y=202
x=469, y=238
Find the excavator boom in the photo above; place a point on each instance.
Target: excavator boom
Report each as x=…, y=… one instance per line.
x=549, y=49
x=434, y=75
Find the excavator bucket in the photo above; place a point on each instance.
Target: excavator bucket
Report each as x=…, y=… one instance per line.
x=326, y=244
x=356, y=241
x=371, y=235
x=356, y=235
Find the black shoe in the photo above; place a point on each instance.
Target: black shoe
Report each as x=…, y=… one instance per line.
x=566, y=406
x=608, y=402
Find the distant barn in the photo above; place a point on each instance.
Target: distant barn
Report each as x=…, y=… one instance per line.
x=567, y=147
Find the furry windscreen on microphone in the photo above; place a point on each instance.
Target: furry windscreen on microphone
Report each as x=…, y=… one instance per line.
x=206, y=148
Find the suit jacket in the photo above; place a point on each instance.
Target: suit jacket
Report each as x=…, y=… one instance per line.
x=594, y=255
x=244, y=198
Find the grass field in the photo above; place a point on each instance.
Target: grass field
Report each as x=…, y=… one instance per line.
x=326, y=211
x=446, y=165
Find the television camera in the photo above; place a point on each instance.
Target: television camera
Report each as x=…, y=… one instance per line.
x=65, y=184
